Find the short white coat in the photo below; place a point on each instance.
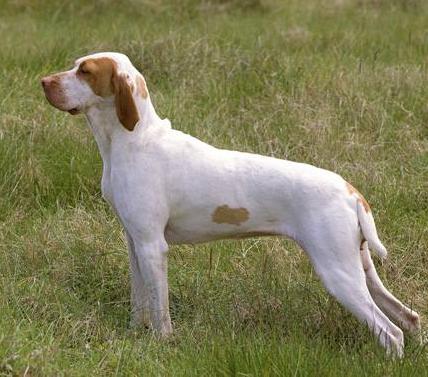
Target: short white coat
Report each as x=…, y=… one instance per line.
x=168, y=187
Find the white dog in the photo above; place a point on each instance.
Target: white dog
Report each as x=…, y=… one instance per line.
x=167, y=187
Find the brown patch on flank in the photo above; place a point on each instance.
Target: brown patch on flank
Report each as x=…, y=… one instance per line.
x=141, y=86
x=226, y=215
x=352, y=190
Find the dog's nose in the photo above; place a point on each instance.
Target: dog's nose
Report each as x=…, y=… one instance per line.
x=45, y=81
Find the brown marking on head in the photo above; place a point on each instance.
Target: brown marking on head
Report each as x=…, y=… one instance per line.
x=102, y=76
x=98, y=73
x=226, y=215
x=141, y=87
x=352, y=190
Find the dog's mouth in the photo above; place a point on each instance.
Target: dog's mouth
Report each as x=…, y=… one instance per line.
x=74, y=111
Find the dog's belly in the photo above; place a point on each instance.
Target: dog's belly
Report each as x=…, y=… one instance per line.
x=199, y=230
x=173, y=236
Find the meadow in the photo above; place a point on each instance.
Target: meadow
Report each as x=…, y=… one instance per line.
x=341, y=84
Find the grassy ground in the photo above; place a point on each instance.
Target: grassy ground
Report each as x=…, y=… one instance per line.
x=342, y=84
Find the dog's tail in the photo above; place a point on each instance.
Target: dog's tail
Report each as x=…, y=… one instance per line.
x=368, y=227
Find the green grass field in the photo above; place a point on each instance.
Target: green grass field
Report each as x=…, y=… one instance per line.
x=342, y=84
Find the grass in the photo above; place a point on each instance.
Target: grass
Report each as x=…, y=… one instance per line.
x=340, y=84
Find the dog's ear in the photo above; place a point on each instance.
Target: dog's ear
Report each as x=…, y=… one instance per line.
x=126, y=109
x=141, y=87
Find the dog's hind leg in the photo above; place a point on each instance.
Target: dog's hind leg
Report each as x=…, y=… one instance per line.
x=397, y=311
x=336, y=258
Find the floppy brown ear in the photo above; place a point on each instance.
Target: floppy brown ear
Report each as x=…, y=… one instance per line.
x=126, y=109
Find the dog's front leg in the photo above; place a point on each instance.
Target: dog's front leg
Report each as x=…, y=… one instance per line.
x=151, y=263
x=139, y=295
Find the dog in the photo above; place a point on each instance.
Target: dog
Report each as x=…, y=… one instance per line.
x=167, y=187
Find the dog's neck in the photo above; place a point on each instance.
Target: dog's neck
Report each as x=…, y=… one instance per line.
x=106, y=127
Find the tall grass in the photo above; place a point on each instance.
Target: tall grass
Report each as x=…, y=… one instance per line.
x=339, y=84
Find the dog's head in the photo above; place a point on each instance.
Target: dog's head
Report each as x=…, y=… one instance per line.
x=95, y=80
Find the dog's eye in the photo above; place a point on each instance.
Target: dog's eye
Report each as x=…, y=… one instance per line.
x=83, y=71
